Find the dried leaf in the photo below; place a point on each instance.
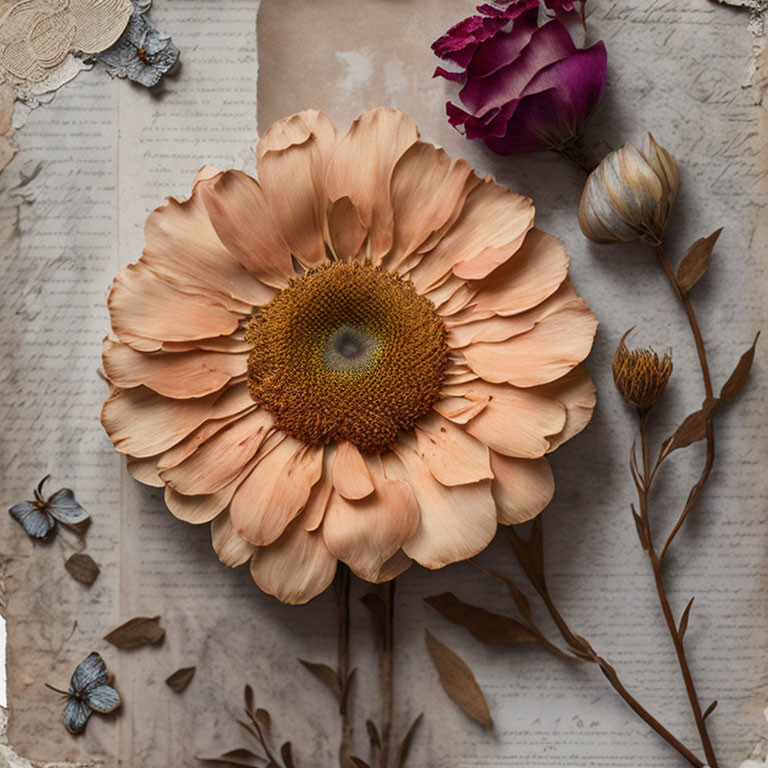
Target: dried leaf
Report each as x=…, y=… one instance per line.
x=359, y=763
x=264, y=719
x=530, y=554
x=373, y=734
x=642, y=528
x=248, y=698
x=710, y=709
x=684, y=619
x=325, y=674
x=693, y=428
x=82, y=568
x=696, y=261
x=235, y=758
x=521, y=601
x=287, y=754
x=458, y=681
x=180, y=679
x=487, y=627
x=136, y=632
x=405, y=746
x=740, y=374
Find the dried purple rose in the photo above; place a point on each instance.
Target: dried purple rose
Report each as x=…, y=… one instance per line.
x=140, y=54
x=527, y=88
x=38, y=517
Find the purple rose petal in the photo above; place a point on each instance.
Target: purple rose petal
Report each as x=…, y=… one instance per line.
x=547, y=45
x=460, y=42
x=504, y=47
x=526, y=88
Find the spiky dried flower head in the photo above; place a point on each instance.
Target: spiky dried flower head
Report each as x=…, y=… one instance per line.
x=347, y=352
x=630, y=195
x=640, y=375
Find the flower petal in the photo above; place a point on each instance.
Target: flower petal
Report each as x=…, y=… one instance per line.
x=276, y=490
x=219, y=460
x=503, y=48
x=522, y=487
x=491, y=227
x=142, y=304
x=362, y=166
x=534, y=273
x=548, y=44
x=142, y=423
x=231, y=344
x=351, y=477
x=295, y=568
x=425, y=190
x=473, y=325
x=204, y=507
x=365, y=534
x=345, y=229
x=231, y=549
x=144, y=470
x=314, y=511
x=569, y=89
x=554, y=346
x=576, y=391
x=292, y=158
x=453, y=456
x=516, y=422
x=461, y=408
x=397, y=564
x=182, y=246
x=456, y=523
x=176, y=375
x=186, y=447
x=242, y=219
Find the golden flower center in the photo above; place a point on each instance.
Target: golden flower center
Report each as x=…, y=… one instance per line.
x=347, y=352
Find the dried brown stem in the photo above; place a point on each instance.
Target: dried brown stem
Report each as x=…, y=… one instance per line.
x=710, y=434
x=677, y=637
x=577, y=153
x=386, y=671
x=342, y=600
x=585, y=651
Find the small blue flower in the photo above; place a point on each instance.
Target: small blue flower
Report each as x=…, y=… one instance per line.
x=140, y=53
x=88, y=692
x=38, y=517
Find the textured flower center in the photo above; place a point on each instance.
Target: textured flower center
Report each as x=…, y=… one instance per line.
x=347, y=352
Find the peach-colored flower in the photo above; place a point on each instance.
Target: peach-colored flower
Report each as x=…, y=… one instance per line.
x=364, y=356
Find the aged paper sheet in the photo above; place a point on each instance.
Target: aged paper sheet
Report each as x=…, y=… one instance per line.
x=91, y=166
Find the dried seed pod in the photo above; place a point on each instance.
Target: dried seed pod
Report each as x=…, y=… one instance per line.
x=640, y=375
x=630, y=195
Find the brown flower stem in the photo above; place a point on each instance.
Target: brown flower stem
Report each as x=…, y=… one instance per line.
x=386, y=671
x=342, y=601
x=708, y=391
x=578, y=155
x=677, y=636
x=580, y=648
x=585, y=651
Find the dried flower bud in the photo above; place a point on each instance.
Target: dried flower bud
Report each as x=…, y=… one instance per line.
x=630, y=195
x=640, y=376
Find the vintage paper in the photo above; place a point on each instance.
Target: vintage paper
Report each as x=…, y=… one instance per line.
x=72, y=210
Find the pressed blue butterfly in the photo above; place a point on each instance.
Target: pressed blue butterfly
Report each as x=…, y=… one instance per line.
x=38, y=517
x=88, y=692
